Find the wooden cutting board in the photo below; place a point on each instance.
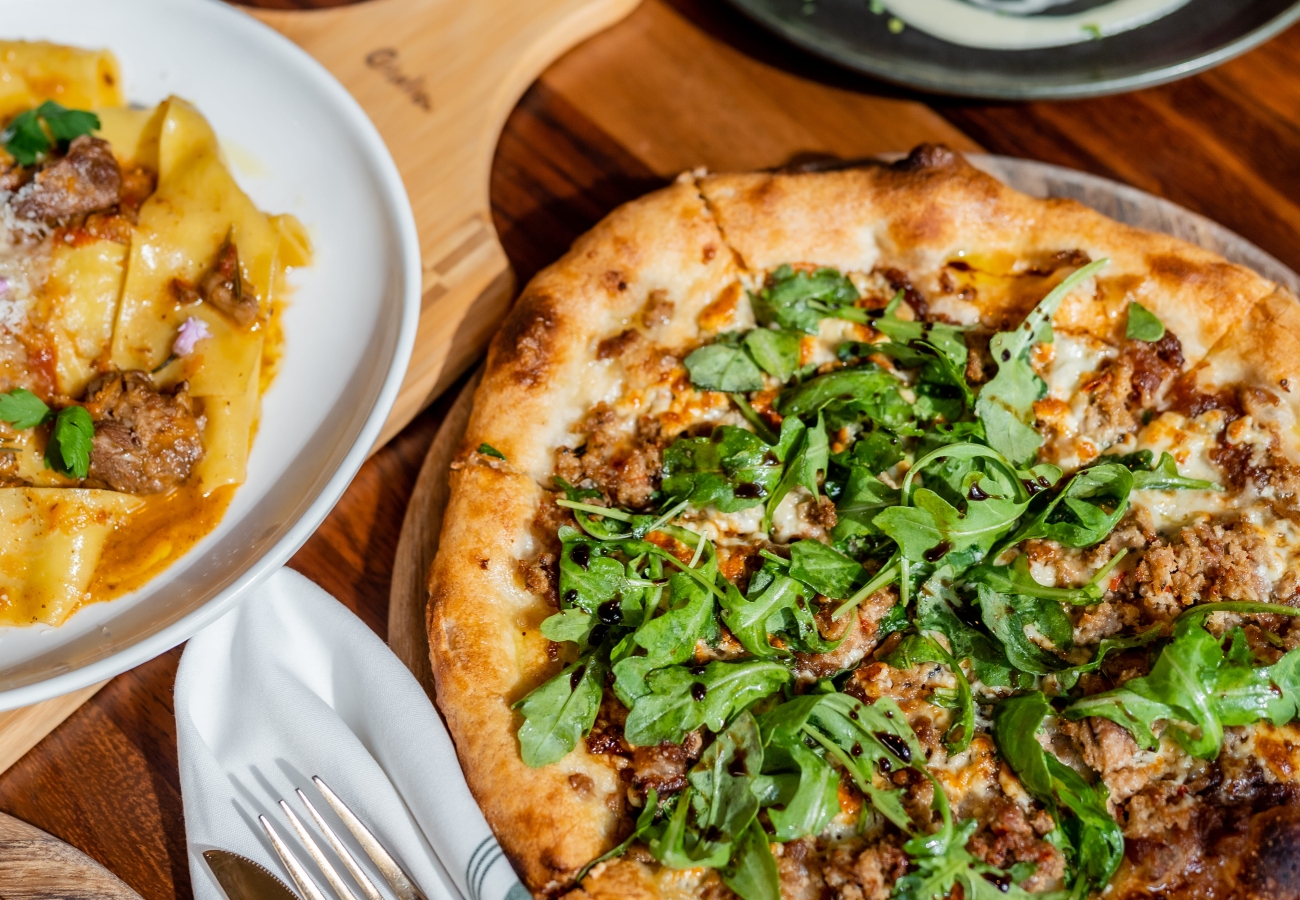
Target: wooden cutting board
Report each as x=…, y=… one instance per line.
x=437, y=78
x=38, y=866
x=422, y=524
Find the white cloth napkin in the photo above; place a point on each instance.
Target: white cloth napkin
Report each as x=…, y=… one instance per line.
x=291, y=684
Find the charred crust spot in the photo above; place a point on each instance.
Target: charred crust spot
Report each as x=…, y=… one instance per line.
x=710, y=252
x=927, y=156
x=614, y=281
x=526, y=342
x=1273, y=868
x=483, y=562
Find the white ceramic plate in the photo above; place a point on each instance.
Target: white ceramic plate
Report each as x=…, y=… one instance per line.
x=298, y=143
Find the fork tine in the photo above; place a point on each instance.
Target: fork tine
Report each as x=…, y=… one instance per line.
x=344, y=854
x=397, y=879
x=304, y=881
x=318, y=855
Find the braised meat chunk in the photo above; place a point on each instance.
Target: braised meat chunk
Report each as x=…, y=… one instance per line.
x=224, y=288
x=86, y=180
x=146, y=441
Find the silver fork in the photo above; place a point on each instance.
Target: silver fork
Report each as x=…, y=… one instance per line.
x=401, y=883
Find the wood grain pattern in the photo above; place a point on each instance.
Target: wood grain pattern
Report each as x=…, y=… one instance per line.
x=36, y=866
x=22, y=729
x=1225, y=144
x=438, y=78
x=421, y=529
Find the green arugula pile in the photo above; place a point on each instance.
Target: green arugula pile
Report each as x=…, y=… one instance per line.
x=643, y=600
x=31, y=135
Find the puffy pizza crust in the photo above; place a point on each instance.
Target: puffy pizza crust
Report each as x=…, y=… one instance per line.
x=692, y=242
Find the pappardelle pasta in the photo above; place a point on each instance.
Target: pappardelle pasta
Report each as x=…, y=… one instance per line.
x=139, y=298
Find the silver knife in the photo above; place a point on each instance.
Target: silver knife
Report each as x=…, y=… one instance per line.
x=243, y=879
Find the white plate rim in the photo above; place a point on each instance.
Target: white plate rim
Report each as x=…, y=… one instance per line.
x=328, y=494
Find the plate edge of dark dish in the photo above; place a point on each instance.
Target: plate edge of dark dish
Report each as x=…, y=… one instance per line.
x=1082, y=91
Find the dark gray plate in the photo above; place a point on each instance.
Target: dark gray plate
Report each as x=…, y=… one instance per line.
x=1201, y=34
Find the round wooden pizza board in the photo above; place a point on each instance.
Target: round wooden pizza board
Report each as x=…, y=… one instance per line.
x=423, y=523
x=38, y=866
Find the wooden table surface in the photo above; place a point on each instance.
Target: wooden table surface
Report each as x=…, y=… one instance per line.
x=681, y=83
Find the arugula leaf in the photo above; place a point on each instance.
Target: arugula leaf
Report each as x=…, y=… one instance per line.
x=810, y=807
x=489, y=450
x=723, y=799
x=1006, y=617
x=751, y=873
x=935, y=612
x=26, y=140
x=1095, y=841
x=917, y=648
x=807, y=463
x=1164, y=476
x=1198, y=690
x=1006, y=403
x=568, y=625
x=750, y=415
x=732, y=469
x=559, y=712
x=824, y=569
x=942, y=862
x=714, y=822
x=1143, y=324
x=775, y=351
x=776, y=605
x=589, y=576
x=947, y=340
x=68, y=450
x=672, y=637
x=927, y=527
x=750, y=621
x=875, y=451
x=799, y=300
x=723, y=366
x=850, y=395
x=22, y=409
x=679, y=700
x=864, y=496
x=1068, y=678
x=1085, y=511
x=1017, y=579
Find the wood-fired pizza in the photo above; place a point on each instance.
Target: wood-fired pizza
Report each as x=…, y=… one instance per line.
x=881, y=532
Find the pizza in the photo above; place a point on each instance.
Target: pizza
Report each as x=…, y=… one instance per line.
x=881, y=532
x=140, y=291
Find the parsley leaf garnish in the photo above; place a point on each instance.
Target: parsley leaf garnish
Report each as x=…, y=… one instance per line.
x=27, y=141
x=22, y=409
x=68, y=450
x=489, y=450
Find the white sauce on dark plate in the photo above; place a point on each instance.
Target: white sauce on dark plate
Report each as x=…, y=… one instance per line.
x=995, y=25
